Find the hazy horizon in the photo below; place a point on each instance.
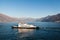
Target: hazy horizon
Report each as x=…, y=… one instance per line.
x=29, y=8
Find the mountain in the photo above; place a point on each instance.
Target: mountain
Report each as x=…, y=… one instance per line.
x=53, y=18
x=26, y=19
x=5, y=18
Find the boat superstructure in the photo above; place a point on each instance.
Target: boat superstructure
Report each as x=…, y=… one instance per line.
x=25, y=26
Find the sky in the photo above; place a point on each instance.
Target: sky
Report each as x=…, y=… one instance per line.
x=29, y=8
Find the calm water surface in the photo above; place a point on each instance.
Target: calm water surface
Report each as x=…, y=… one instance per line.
x=47, y=31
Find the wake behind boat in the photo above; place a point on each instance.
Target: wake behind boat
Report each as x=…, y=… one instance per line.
x=25, y=26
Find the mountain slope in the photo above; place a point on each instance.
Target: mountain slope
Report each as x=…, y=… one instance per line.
x=53, y=18
x=5, y=18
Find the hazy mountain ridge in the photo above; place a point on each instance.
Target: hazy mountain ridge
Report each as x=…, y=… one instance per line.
x=53, y=18
x=5, y=18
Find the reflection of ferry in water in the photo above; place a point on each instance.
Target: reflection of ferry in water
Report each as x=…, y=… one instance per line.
x=25, y=26
x=25, y=32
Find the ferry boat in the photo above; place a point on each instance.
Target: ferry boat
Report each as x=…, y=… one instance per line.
x=25, y=26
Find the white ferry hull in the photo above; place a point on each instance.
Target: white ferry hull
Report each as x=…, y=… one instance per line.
x=25, y=27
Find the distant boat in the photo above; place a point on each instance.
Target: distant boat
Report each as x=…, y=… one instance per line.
x=25, y=26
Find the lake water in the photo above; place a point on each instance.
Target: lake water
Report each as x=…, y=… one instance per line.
x=47, y=31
